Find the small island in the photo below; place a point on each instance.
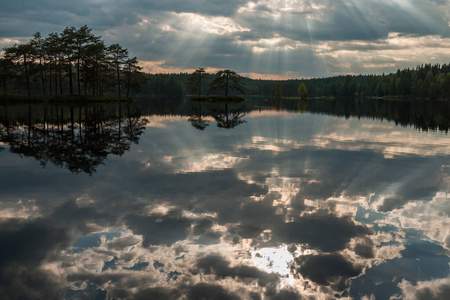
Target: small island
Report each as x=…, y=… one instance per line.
x=72, y=66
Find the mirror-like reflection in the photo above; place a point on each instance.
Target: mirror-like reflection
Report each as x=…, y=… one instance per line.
x=305, y=205
x=77, y=138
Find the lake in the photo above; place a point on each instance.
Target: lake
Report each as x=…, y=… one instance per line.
x=266, y=199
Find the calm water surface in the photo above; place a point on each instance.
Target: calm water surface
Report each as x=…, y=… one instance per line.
x=168, y=199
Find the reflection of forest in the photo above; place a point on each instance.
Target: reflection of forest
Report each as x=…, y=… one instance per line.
x=224, y=116
x=78, y=138
x=421, y=114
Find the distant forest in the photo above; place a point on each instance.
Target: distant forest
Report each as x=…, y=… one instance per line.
x=425, y=82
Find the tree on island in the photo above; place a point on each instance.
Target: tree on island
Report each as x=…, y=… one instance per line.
x=302, y=91
x=21, y=55
x=227, y=79
x=134, y=77
x=195, y=80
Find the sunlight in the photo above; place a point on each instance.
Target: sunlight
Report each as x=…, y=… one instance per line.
x=274, y=260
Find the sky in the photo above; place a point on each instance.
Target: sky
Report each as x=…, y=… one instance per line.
x=268, y=39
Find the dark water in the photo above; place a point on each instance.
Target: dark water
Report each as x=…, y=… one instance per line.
x=267, y=199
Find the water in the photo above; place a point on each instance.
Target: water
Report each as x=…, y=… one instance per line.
x=267, y=199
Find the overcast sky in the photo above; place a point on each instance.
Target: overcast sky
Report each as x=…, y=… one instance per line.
x=259, y=38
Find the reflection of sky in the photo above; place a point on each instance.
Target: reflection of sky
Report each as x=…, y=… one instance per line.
x=278, y=207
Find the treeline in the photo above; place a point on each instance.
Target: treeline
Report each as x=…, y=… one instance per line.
x=425, y=81
x=73, y=62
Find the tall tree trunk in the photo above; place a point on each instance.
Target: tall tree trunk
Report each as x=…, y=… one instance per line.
x=70, y=80
x=4, y=80
x=60, y=80
x=78, y=76
x=50, y=79
x=26, y=74
x=84, y=79
x=226, y=85
x=56, y=78
x=128, y=84
x=94, y=73
x=42, y=76
x=118, y=79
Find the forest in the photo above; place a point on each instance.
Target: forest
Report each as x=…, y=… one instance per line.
x=424, y=82
x=73, y=62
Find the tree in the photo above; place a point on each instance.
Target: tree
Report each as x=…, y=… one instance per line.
x=75, y=53
x=6, y=71
x=226, y=80
x=54, y=45
x=21, y=54
x=134, y=76
x=117, y=57
x=82, y=38
x=196, y=80
x=302, y=91
x=39, y=54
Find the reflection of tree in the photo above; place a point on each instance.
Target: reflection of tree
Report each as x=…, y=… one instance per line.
x=76, y=138
x=228, y=118
x=196, y=119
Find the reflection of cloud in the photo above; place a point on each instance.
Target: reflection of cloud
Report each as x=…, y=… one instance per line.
x=430, y=218
x=328, y=270
x=216, y=265
x=319, y=230
x=391, y=143
x=19, y=210
x=438, y=289
x=220, y=161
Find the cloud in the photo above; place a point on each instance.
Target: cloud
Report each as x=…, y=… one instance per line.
x=210, y=291
x=328, y=270
x=159, y=229
x=216, y=265
x=437, y=289
x=320, y=230
x=235, y=34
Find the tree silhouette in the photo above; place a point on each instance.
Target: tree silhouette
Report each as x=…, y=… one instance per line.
x=196, y=80
x=21, y=55
x=54, y=136
x=227, y=80
x=197, y=120
x=117, y=57
x=55, y=61
x=134, y=76
x=302, y=92
x=228, y=119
